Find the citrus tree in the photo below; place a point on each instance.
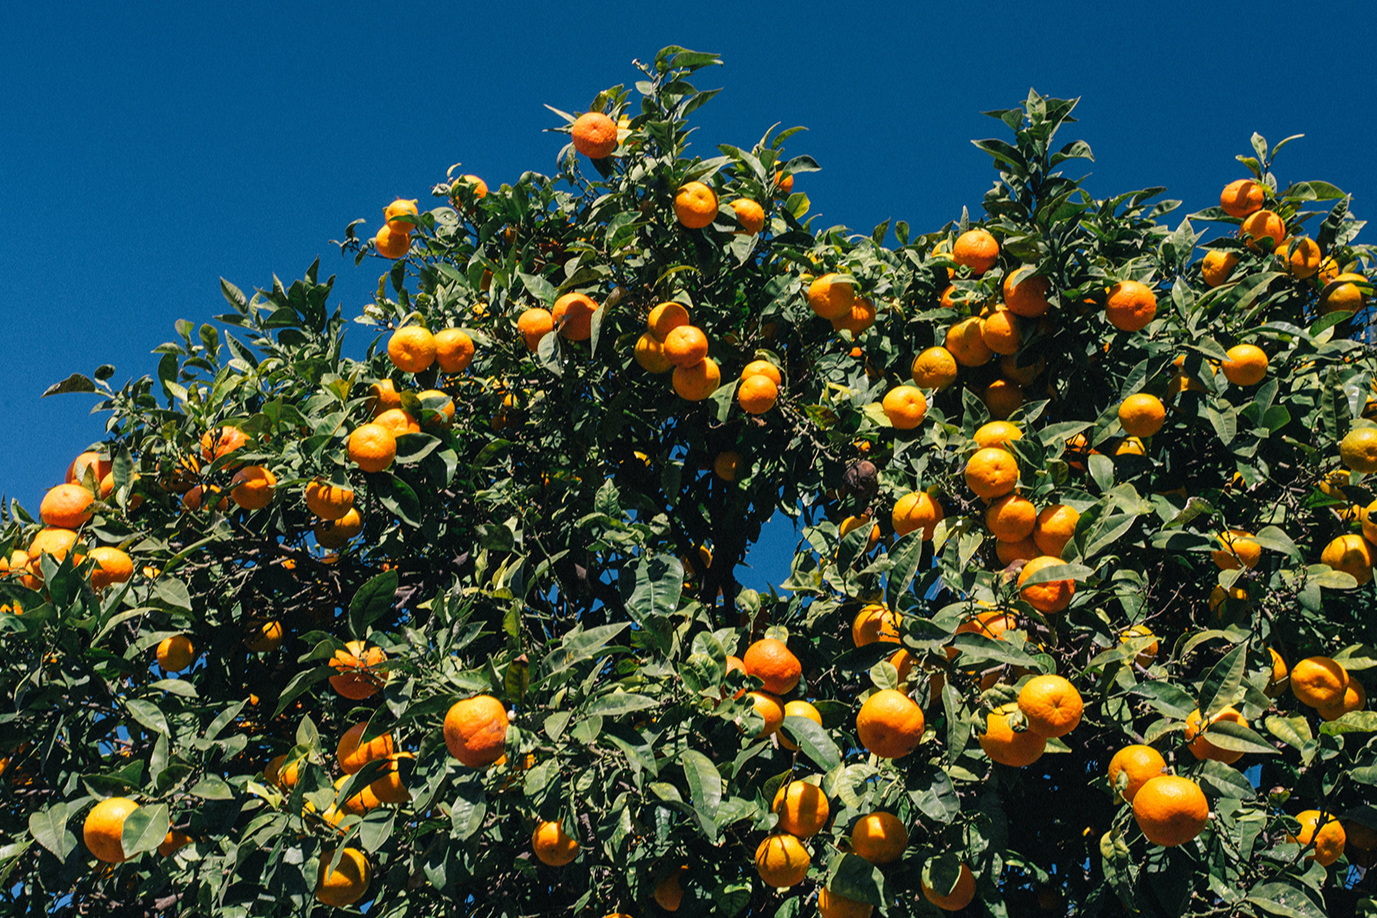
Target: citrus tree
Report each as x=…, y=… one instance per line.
x=1080, y=620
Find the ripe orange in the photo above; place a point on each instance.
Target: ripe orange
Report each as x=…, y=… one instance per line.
x=111, y=566
x=575, y=310
x=1007, y=746
x=781, y=860
x=750, y=215
x=347, y=881
x=757, y=394
x=175, y=653
x=209, y=495
x=1262, y=224
x=695, y=205
x=997, y=433
x=1141, y=764
x=1358, y=449
x=1246, y=366
x=934, y=368
x=784, y=182
x=1000, y=332
x=1344, y=294
x=1170, y=810
x=1051, y=705
x=356, y=679
x=905, y=407
x=1352, y=554
x=252, y=487
x=471, y=184
x=328, y=501
x=221, y=442
x=975, y=249
x=104, y=827
x=666, y=317
x=440, y=403
x=66, y=506
x=1002, y=397
x=1050, y=596
x=594, y=135
x=53, y=541
x=264, y=638
x=1319, y=681
x=1011, y=518
x=353, y=755
x=669, y=893
x=1198, y=739
x=1022, y=550
x=834, y=905
x=1025, y=294
x=1025, y=374
x=650, y=354
x=552, y=845
x=453, y=350
x=686, y=345
x=965, y=341
x=372, y=447
x=831, y=296
x=389, y=788
x=769, y=708
x=879, y=837
x=1240, y=198
x=1130, y=306
x=802, y=808
x=793, y=708
x=98, y=465
x=1142, y=415
x=889, y=724
x=917, y=511
x=392, y=244
x=1217, y=265
x=771, y=661
x=1355, y=699
x=476, y=730
x=1280, y=678
x=1301, y=256
x=1149, y=652
x=1329, y=839
x=1238, y=549
x=695, y=383
x=534, y=323
x=875, y=622
x=174, y=841
x=383, y=395
x=399, y=208
x=763, y=368
x=960, y=896
x=991, y=472
x=411, y=349
x=726, y=463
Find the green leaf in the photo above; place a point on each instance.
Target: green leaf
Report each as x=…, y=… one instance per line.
x=1352, y=722
x=74, y=383
x=933, y=793
x=376, y=828
x=619, y=703
x=212, y=787
x=148, y=714
x=49, y=828
x=705, y=784
x=1293, y=731
x=977, y=648
x=653, y=587
x=145, y=829
x=469, y=807
x=579, y=645
x=855, y=878
x=1168, y=699
x=1284, y=901
x=905, y=558
x=372, y=601
x=813, y=741
x=1238, y=738
x=1223, y=681
x=398, y=496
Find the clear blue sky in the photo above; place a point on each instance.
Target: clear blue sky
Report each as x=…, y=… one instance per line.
x=148, y=152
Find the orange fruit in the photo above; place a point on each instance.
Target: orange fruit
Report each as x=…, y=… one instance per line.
x=1026, y=294
x=1023, y=375
x=1360, y=844
x=1141, y=764
x=391, y=243
x=1263, y=224
x=1344, y=294
x=875, y=622
x=347, y=881
x=686, y=345
x=399, y=208
x=905, y=407
x=476, y=730
x=991, y=472
x=552, y=845
x=1217, y=265
x=750, y=215
x=594, y=135
x=666, y=317
x=383, y=395
x=1238, y=549
x=328, y=501
x=252, y=487
x=440, y=403
x=1130, y=306
x=1007, y=746
x=769, y=708
x=1000, y=332
x=53, y=541
x=1149, y=652
x=934, y=368
x=264, y=638
x=221, y=442
x=669, y=892
x=1198, y=739
x=1011, y=518
x=411, y=349
x=104, y=827
x=471, y=184
x=1051, y=705
x=1358, y=449
x=1319, y=681
x=353, y=755
x=802, y=808
x=975, y=249
x=997, y=433
x=965, y=341
x=356, y=680
x=98, y=465
x=784, y=182
x=575, y=310
x=889, y=724
x=917, y=511
x=175, y=653
x=534, y=323
x=1050, y=596
x=1355, y=699
x=1280, y=678
x=1329, y=839
x=696, y=382
x=650, y=354
x=111, y=566
x=1242, y=197
x=1352, y=554
x=726, y=463
x=1142, y=415
x=781, y=860
x=372, y=447
x=1002, y=397
x=389, y=787
x=794, y=708
x=209, y=495
x=1022, y=550
x=879, y=837
x=960, y=897
x=831, y=296
x=453, y=350
x=66, y=506
x=834, y=905
x=763, y=368
x=174, y=841
x=852, y=523
x=1301, y=256
x=695, y=205
x=771, y=661
x=1246, y=366
x=1170, y=810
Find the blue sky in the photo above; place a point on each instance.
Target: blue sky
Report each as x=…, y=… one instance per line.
x=149, y=151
